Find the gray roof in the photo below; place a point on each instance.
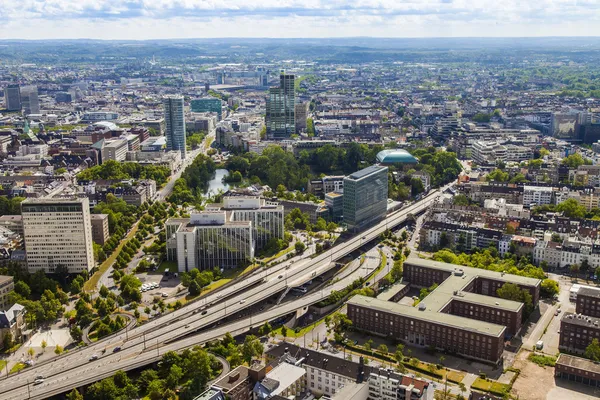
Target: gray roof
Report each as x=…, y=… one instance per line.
x=366, y=172
x=435, y=317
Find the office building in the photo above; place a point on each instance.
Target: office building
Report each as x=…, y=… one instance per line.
x=12, y=98
x=280, y=117
x=114, y=149
x=100, y=233
x=577, y=332
x=301, y=115
x=385, y=384
x=208, y=104
x=365, y=197
x=29, y=100
x=63, y=97
x=537, y=195
x=175, y=124
x=335, y=204
x=7, y=285
x=285, y=380
x=57, y=232
x=462, y=315
x=209, y=239
x=267, y=218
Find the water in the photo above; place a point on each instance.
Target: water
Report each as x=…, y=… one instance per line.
x=216, y=183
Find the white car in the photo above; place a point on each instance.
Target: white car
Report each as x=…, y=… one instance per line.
x=38, y=381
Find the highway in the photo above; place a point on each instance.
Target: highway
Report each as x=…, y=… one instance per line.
x=174, y=331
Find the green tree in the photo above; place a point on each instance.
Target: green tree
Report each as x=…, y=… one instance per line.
x=74, y=395
x=571, y=209
x=575, y=160
x=300, y=247
x=549, y=288
x=460, y=200
x=175, y=375
x=22, y=289
x=252, y=347
x=593, y=350
x=383, y=349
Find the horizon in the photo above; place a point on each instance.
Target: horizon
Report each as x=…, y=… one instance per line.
x=179, y=19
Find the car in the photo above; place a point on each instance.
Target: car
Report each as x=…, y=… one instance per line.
x=187, y=326
x=40, y=377
x=117, y=349
x=556, y=313
x=364, y=237
x=204, y=312
x=280, y=276
x=94, y=357
x=242, y=301
x=29, y=363
x=38, y=381
x=165, y=295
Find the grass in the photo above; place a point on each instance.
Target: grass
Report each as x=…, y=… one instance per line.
x=91, y=284
x=3, y=364
x=12, y=349
x=166, y=265
x=17, y=367
x=215, y=285
x=93, y=336
x=455, y=376
x=490, y=386
x=542, y=360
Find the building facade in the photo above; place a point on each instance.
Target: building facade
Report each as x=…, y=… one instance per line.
x=100, y=233
x=209, y=104
x=57, y=232
x=12, y=98
x=29, y=100
x=577, y=331
x=365, y=196
x=209, y=239
x=577, y=370
x=280, y=115
x=175, y=124
x=7, y=285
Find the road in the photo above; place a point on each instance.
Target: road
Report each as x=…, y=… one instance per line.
x=145, y=344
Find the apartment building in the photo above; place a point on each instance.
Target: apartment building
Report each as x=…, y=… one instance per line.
x=537, y=195
x=13, y=223
x=385, y=384
x=209, y=239
x=588, y=302
x=57, y=232
x=7, y=285
x=577, y=331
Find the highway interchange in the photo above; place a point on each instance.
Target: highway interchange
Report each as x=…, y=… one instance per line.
x=175, y=331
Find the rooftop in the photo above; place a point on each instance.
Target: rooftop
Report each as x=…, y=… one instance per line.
x=589, y=292
x=391, y=291
x=373, y=169
x=578, y=363
x=286, y=374
x=396, y=156
x=581, y=320
x=435, y=317
x=233, y=379
x=482, y=273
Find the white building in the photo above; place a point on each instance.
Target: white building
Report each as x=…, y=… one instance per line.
x=115, y=149
x=267, y=218
x=57, y=232
x=209, y=239
x=537, y=195
x=388, y=385
x=488, y=152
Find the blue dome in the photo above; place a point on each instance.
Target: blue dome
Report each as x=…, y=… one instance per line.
x=396, y=156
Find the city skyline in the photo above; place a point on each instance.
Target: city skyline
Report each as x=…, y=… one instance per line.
x=141, y=19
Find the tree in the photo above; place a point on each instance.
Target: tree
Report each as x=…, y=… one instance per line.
x=299, y=246
x=571, y=209
x=76, y=333
x=555, y=238
x=593, y=350
x=549, y=288
x=460, y=200
x=8, y=341
x=156, y=389
x=444, y=241
x=44, y=345
x=383, y=349
x=175, y=375
x=574, y=269
x=510, y=291
x=283, y=331
x=74, y=395
x=58, y=350
x=31, y=352
x=22, y=289
x=194, y=288
x=252, y=347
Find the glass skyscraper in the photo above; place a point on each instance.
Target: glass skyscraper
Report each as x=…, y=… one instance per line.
x=175, y=124
x=365, y=196
x=209, y=104
x=280, y=118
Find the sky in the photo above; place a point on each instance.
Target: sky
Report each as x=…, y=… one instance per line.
x=171, y=19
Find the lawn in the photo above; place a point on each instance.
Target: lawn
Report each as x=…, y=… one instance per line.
x=542, y=360
x=91, y=284
x=215, y=285
x=17, y=367
x=3, y=364
x=170, y=265
x=490, y=386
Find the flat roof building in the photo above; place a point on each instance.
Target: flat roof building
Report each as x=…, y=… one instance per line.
x=365, y=197
x=57, y=232
x=578, y=370
x=100, y=233
x=462, y=315
x=588, y=301
x=577, y=331
x=175, y=124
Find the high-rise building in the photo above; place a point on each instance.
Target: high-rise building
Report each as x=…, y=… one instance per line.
x=29, y=100
x=175, y=124
x=301, y=114
x=57, y=232
x=208, y=104
x=365, y=196
x=12, y=98
x=280, y=118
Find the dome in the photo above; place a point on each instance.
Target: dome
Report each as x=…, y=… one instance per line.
x=396, y=156
x=108, y=125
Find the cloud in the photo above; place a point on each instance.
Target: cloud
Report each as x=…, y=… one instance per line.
x=259, y=18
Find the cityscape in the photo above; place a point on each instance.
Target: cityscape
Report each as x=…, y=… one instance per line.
x=363, y=215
